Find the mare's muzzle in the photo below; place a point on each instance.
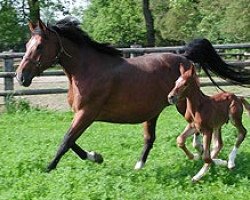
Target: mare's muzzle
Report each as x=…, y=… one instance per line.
x=172, y=99
x=24, y=78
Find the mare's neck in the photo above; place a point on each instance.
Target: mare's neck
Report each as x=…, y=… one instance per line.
x=78, y=61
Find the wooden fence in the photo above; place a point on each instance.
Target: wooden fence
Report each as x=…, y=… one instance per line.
x=9, y=66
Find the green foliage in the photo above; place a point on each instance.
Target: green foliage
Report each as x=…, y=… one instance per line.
x=18, y=105
x=28, y=141
x=117, y=22
x=122, y=24
x=219, y=21
x=12, y=33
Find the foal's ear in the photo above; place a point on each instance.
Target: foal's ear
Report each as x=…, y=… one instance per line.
x=182, y=69
x=192, y=68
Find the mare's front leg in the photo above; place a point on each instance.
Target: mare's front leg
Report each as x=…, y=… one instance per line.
x=149, y=138
x=181, y=139
x=207, y=137
x=82, y=119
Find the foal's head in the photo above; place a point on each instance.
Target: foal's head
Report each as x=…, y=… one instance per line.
x=184, y=84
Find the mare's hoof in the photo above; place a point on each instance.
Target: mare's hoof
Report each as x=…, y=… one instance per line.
x=139, y=165
x=95, y=157
x=98, y=158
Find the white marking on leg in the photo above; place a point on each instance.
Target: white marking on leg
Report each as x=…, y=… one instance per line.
x=231, y=158
x=197, y=144
x=139, y=165
x=201, y=173
x=91, y=156
x=220, y=162
x=197, y=156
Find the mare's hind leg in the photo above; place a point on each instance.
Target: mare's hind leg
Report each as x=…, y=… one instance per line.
x=81, y=121
x=181, y=139
x=236, y=118
x=149, y=138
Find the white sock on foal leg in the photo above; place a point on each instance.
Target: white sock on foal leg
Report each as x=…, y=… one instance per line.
x=231, y=158
x=201, y=173
x=220, y=162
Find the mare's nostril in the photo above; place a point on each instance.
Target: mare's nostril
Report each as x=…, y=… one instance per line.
x=172, y=99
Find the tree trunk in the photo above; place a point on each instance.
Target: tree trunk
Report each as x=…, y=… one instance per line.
x=149, y=23
x=34, y=9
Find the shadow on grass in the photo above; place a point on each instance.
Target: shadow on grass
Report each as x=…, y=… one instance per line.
x=181, y=173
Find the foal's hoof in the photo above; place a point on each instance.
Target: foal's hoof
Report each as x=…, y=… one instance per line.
x=196, y=156
x=231, y=165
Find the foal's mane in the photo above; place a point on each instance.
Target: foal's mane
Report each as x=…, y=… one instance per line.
x=70, y=29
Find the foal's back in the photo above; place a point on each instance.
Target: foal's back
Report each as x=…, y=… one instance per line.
x=216, y=110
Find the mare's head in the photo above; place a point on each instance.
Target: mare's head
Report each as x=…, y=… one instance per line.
x=183, y=84
x=42, y=51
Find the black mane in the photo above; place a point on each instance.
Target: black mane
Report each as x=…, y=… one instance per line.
x=70, y=28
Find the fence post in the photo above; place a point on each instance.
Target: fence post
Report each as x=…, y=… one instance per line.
x=8, y=81
x=132, y=55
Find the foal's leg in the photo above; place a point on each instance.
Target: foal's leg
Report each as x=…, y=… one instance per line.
x=197, y=144
x=217, y=143
x=149, y=138
x=81, y=121
x=181, y=139
x=207, y=136
x=236, y=118
x=217, y=146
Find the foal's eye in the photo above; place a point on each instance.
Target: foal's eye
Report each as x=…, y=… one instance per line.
x=39, y=47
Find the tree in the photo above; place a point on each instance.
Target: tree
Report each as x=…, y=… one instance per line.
x=12, y=33
x=34, y=10
x=117, y=22
x=149, y=20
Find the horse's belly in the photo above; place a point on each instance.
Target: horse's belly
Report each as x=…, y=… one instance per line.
x=125, y=113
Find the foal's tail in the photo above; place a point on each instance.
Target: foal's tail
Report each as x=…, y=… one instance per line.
x=201, y=51
x=245, y=104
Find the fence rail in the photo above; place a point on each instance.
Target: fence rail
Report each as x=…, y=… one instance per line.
x=9, y=66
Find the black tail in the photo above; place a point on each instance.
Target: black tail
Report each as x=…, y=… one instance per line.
x=201, y=51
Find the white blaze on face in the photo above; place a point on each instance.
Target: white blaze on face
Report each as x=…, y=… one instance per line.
x=32, y=44
x=179, y=80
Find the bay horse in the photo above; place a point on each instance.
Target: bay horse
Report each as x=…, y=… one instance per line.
x=104, y=86
x=207, y=114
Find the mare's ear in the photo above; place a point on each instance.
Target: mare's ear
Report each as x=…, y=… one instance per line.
x=182, y=69
x=32, y=26
x=42, y=26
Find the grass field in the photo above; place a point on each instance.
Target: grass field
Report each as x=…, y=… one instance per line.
x=29, y=140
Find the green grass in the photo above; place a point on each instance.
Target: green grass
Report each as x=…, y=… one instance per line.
x=29, y=140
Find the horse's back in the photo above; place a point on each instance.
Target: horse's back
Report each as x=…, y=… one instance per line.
x=140, y=88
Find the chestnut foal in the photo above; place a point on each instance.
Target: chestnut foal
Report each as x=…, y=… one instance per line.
x=207, y=114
